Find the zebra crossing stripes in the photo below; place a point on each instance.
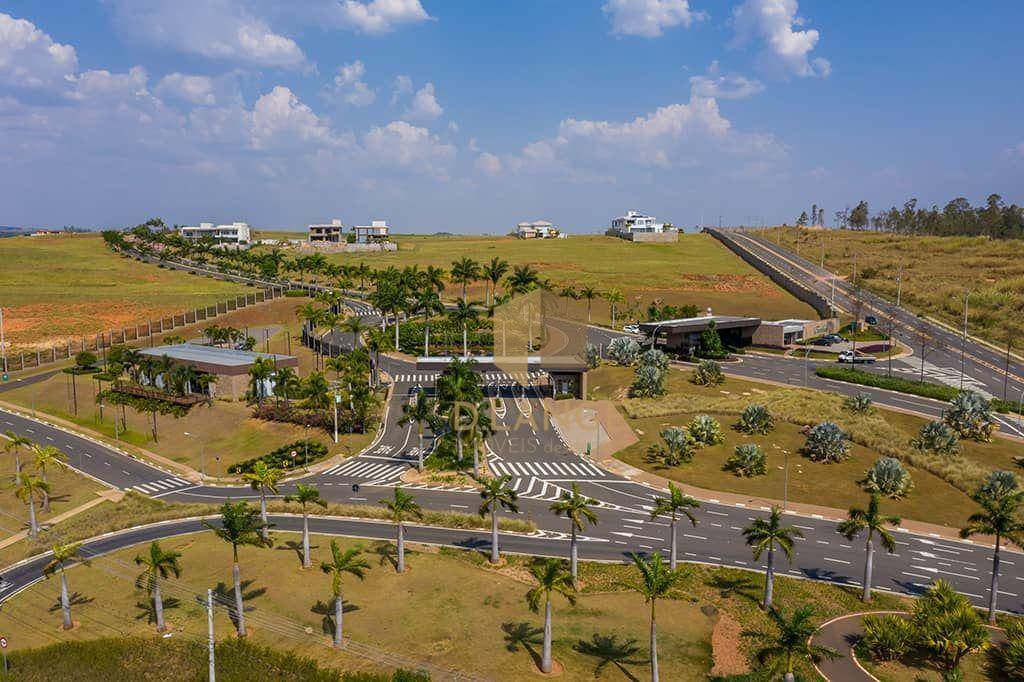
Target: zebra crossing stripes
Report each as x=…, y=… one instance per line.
x=370, y=470
x=415, y=378
x=519, y=377
x=162, y=486
x=578, y=469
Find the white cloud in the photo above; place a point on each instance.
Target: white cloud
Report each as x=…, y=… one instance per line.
x=411, y=147
x=102, y=83
x=402, y=87
x=30, y=58
x=424, y=104
x=453, y=126
x=192, y=89
x=724, y=85
x=649, y=18
x=380, y=16
x=488, y=164
x=350, y=87
x=279, y=119
x=786, y=51
x=219, y=29
x=1016, y=151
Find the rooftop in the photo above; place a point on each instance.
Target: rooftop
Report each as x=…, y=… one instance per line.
x=700, y=323
x=210, y=355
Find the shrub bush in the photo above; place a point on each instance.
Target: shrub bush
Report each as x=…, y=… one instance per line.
x=281, y=458
x=296, y=293
x=888, y=477
x=756, y=418
x=937, y=437
x=826, y=442
x=969, y=415
x=860, y=403
x=708, y=373
x=623, y=350
x=887, y=637
x=593, y=354
x=677, y=447
x=648, y=382
x=999, y=484
x=705, y=430
x=747, y=460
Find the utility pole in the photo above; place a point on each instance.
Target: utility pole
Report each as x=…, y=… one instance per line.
x=963, y=342
x=209, y=629
x=3, y=346
x=1006, y=368
x=899, y=283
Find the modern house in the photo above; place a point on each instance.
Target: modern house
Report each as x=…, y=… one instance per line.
x=230, y=366
x=683, y=335
x=639, y=227
x=327, y=233
x=374, y=233
x=235, y=233
x=538, y=229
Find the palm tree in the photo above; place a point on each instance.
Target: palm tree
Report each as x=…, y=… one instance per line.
x=354, y=326
x=670, y=506
x=286, y=383
x=27, y=490
x=350, y=561
x=61, y=557
x=158, y=563
x=998, y=517
x=493, y=272
x=428, y=303
x=263, y=478
x=657, y=581
x=464, y=314
x=239, y=525
x=420, y=412
x=789, y=641
x=523, y=279
x=576, y=507
x=614, y=298
x=767, y=534
x=589, y=293
x=311, y=315
x=261, y=371
x=401, y=508
x=496, y=495
x=464, y=271
x=433, y=277
x=480, y=429
x=47, y=456
x=551, y=580
x=14, y=444
x=873, y=521
x=306, y=495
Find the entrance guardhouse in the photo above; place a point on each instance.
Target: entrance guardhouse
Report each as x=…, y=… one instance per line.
x=554, y=376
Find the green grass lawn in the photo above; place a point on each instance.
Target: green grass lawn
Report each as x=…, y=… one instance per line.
x=68, y=490
x=56, y=289
x=696, y=270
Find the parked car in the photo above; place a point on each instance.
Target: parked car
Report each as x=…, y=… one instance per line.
x=836, y=338
x=855, y=359
x=631, y=329
x=871, y=319
x=821, y=341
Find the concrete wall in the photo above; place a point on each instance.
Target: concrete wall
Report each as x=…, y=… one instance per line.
x=666, y=237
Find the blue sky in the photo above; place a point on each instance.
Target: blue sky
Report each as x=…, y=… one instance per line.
x=471, y=116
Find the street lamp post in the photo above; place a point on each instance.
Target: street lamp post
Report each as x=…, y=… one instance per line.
x=963, y=342
x=785, y=482
x=807, y=352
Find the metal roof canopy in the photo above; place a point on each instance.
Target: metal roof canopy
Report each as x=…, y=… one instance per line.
x=211, y=355
x=489, y=363
x=698, y=324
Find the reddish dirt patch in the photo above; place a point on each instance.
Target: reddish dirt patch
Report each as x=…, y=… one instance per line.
x=725, y=647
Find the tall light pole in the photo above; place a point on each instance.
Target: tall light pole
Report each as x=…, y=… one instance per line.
x=3, y=345
x=899, y=284
x=963, y=342
x=785, y=483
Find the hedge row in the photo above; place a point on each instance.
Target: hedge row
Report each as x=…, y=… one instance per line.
x=281, y=458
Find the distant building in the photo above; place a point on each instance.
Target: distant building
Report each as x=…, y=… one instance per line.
x=230, y=366
x=46, y=233
x=329, y=233
x=374, y=233
x=639, y=227
x=683, y=335
x=235, y=233
x=784, y=333
x=538, y=229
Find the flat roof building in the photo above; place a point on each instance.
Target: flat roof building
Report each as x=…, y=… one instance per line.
x=327, y=233
x=375, y=232
x=538, y=229
x=230, y=366
x=235, y=233
x=683, y=335
x=639, y=227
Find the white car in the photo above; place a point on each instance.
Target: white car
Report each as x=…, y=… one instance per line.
x=858, y=359
x=631, y=329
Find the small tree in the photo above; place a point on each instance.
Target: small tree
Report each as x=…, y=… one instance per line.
x=1011, y=654
x=999, y=484
x=678, y=446
x=351, y=562
x=937, y=437
x=747, y=460
x=85, y=360
x=826, y=442
x=756, y=419
x=708, y=373
x=948, y=626
x=860, y=403
x=969, y=414
x=648, y=382
x=593, y=355
x=888, y=637
x=888, y=477
x=705, y=430
x=711, y=342
x=623, y=350
x=789, y=641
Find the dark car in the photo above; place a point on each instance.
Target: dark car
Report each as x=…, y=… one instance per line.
x=823, y=341
x=871, y=319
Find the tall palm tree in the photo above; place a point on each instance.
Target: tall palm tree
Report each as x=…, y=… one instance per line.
x=551, y=580
x=240, y=525
x=47, y=457
x=261, y=371
x=354, y=326
x=401, y=508
x=464, y=271
x=495, y=494
x=523, y=279
x=27, y=490
x=433, y=278
x=767, y=534
x=493, y=272
x=159, y=563
x=306, y=495
x=676, y=503
x=615, y=299
x=420, y=412
x=264, y=479
x=286, y=383
x=589, y=293
x=350, y=561
x=575, y=506
x=874, y=522
x=311, y=315
x=464, y=314
x=15, y=443
x=657, y=581
x=789, y=641
x=61, y=557
x=480, y=429
x=428, y=304
x=999, y=518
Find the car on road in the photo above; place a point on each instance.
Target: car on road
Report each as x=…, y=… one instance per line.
x=871, y=319
x=852, y=358
x=631, y=329
x=822, y=341
x=835, y=338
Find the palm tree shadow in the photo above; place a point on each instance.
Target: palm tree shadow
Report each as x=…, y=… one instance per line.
x=147, y=609
x=74, y=599
x=387, y=553
x=608, y=650
x=326, y=609
x=729, y=585
x=296, y=546
x=225, y=594
x=523, y=635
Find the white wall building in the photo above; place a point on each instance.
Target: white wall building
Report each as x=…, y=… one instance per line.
x=235, y=233
x=331, y=232
x=635, y=221
x=376, y=231
x=538, y=229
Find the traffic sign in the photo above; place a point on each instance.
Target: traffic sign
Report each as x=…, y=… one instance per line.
x=3, y=642
x=5, y=376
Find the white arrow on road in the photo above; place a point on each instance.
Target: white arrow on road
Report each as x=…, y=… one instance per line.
x=633, y=535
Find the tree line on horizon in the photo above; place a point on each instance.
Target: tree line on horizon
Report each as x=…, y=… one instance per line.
x=993, y=219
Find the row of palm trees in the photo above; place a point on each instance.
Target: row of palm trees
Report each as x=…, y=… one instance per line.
x=31, y=488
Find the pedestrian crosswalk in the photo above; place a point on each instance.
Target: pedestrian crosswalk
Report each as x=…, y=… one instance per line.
x=574, y=470
x=164, y=485
x=487, y=377
x=371, y=470
x=416, y=378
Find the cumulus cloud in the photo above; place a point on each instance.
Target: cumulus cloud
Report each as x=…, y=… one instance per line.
x=410, y=147
x=424, y=105
x=724, y=85
x=787, y=50
x=402, y=87
x=649, y=18
x=350, y=87
x=380, y=16
x=488, y=164
x=197, y=90
x=30, y=58
x=280, y=119
x=219, y=29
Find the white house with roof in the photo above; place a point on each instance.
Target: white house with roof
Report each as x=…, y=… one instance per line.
x=538, y=229
x=235, y=233
x=640, y=227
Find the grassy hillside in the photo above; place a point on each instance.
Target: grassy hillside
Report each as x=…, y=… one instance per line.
x=59, y=288
x=937, y=271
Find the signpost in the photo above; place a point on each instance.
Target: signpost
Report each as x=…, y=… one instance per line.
x=3, y=648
